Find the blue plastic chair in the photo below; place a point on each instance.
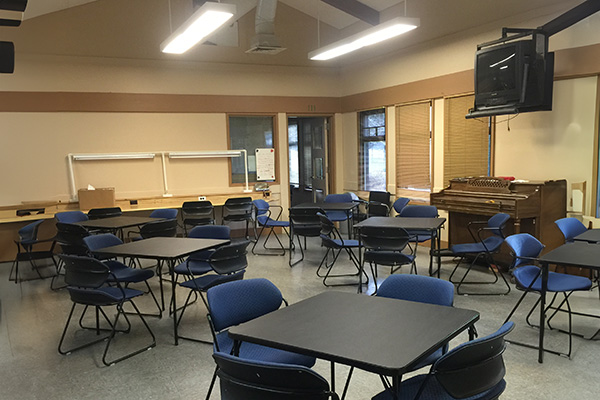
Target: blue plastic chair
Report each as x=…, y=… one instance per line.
x=570, y=227
x=237, y=302
x=26, y=252
x=333, y=241
x=334, y=215
x=422, y=289
x=485, y=247
x=472, y=371
x=526, y=249
x=118, y=270
x=92, y=284
x=70, y=217
x=165, y=213
x=265, y=221
x=399, y=204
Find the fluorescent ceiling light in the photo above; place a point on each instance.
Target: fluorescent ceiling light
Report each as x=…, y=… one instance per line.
x=202, y=23
x=205, y=154
x=123, y=156
x=376, y=34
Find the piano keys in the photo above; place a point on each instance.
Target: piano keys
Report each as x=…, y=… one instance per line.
x=532, y=206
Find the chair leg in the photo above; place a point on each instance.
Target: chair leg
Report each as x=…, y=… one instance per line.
x=490, y=261
x=212, y=383
x=301, y=251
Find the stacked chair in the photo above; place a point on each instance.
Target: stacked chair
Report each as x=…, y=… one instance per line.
x=196, y=213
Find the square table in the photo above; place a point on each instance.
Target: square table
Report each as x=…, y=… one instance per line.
x=376, y=334
x=169, y=249
x=116, y=224
x=579, y=254
x=433, y=225
x=590, y=236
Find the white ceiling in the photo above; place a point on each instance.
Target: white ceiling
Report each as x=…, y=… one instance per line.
x=135, y=28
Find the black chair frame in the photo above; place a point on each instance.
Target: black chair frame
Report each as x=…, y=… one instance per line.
x=197, y=213
x=26, y=253
x=281, y=249
x=239, y=209
x=482, y=231
x=85, y=276
x=303, y=222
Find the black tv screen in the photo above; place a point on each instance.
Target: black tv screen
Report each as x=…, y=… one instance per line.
x=512, y=78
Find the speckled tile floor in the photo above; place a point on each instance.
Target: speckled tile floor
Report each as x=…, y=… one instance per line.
x=33, y=316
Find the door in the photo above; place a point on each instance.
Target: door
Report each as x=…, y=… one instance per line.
x=308, y=159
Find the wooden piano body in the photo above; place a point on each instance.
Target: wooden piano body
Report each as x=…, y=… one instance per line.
x=532, y=206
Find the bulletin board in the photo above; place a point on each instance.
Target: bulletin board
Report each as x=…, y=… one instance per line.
x=265, y=164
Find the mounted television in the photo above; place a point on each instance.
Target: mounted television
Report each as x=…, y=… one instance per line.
x=512, y=78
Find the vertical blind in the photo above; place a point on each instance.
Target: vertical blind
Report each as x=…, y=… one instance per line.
x=466, y=141
x=413, y=146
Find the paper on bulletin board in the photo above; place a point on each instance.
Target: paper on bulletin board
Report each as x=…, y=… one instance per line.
x=265, y=164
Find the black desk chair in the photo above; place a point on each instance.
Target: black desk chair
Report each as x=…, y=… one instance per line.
x=69, y=238
x=196, y=213
x=88, y=286
x=243, y=379
x=26, y=252
x=239, y=209
x=473, y=370
x=161, y=228
x=379, y=204
x=304, y=222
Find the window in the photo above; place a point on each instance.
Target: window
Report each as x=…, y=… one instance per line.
x=372, y=150
x=413, y=146
x=293, y=152
x=467, y=142
x=249, y=133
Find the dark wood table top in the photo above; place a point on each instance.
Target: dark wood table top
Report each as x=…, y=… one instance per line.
x=161, y=247
x=328, y=206
x=590, y=236
x=400, y=222
x=122, y=221
x=577, y=253
x=376, y=334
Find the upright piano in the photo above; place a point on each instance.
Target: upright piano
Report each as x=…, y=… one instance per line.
x=532, y=206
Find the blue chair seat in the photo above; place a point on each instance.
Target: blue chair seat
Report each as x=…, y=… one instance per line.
x=434, y=391
x=556, y=282
x=253, y=351
x=103, y=296
x=196, y=267
x=123, y=273
x=339, y=243
x=270, y=222
x=491, y=243
x=205, y=282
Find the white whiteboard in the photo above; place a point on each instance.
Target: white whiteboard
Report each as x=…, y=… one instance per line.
x=265, y=164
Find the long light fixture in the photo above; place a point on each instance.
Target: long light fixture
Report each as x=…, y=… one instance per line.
x=376, y=34
x=121, y=156
x=202, y=23
x=205, y=154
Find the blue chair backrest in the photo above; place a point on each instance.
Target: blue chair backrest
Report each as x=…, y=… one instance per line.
x=524, y=245
x=210, y=232
x=261, y=206
x=419, y=211
x=473, y=367
x=233, y=303
x=70, y=217
x=423, y=289
x=166, y=213
x=95, y=242
x=338, y=198
x=29, y=231
x=497, y=222
x=570, y=227
x=400, y=203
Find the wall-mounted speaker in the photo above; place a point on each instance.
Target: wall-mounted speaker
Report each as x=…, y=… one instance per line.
x=7, y=57
x=11, y=12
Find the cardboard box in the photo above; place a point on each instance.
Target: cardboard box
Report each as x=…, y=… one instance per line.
x=99, y=198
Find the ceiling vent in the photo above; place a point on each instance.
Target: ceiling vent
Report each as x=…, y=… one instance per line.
x=265, y=41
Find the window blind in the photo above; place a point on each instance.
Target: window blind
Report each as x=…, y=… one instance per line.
x=413, y=146
x=466, y=141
